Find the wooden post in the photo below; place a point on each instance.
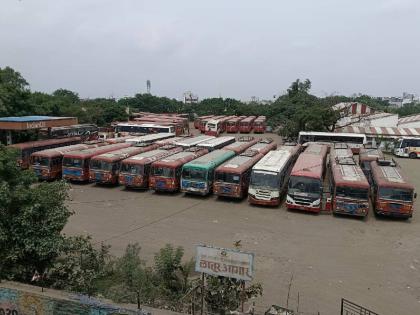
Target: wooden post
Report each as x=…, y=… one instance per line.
x=202, y=294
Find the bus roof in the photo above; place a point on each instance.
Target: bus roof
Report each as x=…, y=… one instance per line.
x=216, y=141
x=210, y=160
x=151, y=156
x=240, y=163
x=180, y=158
x=190, y=142
x=91, y=152
x=150, y=137
x=124, y=153
x=349, y=175
x=264, y=145
x=311, y=162
x=274, y=161
x=61, y=150
x=248, y=119
x=370, y=154
x=389, y=176
x=241, y=145
x=38, y=143
x=338, y=134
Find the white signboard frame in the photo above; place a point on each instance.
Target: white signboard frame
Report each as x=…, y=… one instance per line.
x=222, y=262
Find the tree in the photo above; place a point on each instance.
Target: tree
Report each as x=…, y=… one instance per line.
x=32, y=217
x=14, y=93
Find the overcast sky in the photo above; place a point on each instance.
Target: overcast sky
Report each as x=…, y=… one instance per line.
x=232, y=48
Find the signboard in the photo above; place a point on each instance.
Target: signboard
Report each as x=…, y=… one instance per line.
x=224, y=262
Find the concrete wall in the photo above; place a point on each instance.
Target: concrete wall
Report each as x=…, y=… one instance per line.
x=21, y=302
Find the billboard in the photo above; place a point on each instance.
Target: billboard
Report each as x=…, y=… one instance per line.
x=224, y=262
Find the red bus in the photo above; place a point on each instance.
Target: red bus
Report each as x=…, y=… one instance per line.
x=264, y=146
x=245, y=125
x=241, y=145
x=47, y=163
x=86, y=131
x=25, y=149
x=232, y=125
x=260, y=124
x=307, y=178
x=135, y=171
x=104, y=168
x=118, y=139
x=197, y=121
x=165, y=174
x=393, y=195
x=215, y=127
x=203, y=122
x=366, y=157
x=76, y=163
x=232, y=177
x=349, y=186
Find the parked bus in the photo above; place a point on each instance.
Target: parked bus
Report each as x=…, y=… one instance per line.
x=366, y=156
x=246, y=125
x=76, y=163
x=173, y=140
x=25, y=149
x=118, y=139
x=269, y=176
x=348, y=186
x=165, y=174
x=241, y=145
x=305, y=187
x=216, y=143
x=407, y=147
x=260, y=124
x=392, y=194
x=135, y=171
x=203, y=122
x=198, y=175
x=47, y=164
x=192, y=142
x=264, y=146
x=151, y=138
x=104, y=168
x=354, y=140
x=133, y=128
x=232, y=177
x=232, y=124
x=215, y=127
x=197, y=121
x=87, y=131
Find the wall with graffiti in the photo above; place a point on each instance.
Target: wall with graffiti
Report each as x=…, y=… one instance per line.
x=20, y=302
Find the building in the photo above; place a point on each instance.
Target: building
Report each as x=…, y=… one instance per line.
x=412, y=121
x=190, y=98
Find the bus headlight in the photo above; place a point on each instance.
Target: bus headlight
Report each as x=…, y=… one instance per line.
x=316, y=203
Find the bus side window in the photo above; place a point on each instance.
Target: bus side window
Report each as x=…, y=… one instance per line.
x=178, y=172
x=211, y=175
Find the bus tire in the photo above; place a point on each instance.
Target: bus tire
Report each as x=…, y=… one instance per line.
x=412, y=155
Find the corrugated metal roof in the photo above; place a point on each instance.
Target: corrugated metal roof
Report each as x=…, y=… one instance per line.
x=409, y=119
x=30, y=118
x=382, y=131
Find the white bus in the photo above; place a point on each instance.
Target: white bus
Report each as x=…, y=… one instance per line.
x=130, y=128
x=217, y=143
x=192, y=142
x=354, y=140
x=149, y=138
x=270, y=176
x=407, y=147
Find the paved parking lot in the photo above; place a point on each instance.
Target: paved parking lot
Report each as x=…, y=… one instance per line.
x=373, y=262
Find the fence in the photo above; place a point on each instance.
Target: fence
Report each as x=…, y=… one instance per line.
x=350, y=308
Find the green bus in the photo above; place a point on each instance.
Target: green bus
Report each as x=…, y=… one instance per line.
x=198, y=175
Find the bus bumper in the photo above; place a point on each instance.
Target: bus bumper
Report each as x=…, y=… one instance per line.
x=231, y=191
x=270, y=203
x=303, y=208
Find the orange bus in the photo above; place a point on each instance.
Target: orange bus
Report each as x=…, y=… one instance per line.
x=232, y=177
x=232, y=125
x=197, y=121
x=260, y=124
x=104, y=168
x=76, y=163
x=165, y=174
x=349, y=186
x=366, y=157
x=264, y=146
x=245, y=125
x=305, y=188
x=392, y=195
x=47, y=164
x=25, y=149
x=241, y=145
x=135, y=171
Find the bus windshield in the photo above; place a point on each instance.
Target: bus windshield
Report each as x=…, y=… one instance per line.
x=352, y=192
x=298, y=184
x=395, y=194
x=132, y=169
x=211, y=126
x=72, y=162
x=265, y=179
x=100, y=165
x=163, y=171
x=41, y=161
x=195, y=174
x=228, y=178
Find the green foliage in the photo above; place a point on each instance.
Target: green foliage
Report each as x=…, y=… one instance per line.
x=14, y=93
x=408, y=109
x=80, y=266
x=32, y=217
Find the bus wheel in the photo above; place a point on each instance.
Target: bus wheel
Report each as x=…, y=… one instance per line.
x=412, y=155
